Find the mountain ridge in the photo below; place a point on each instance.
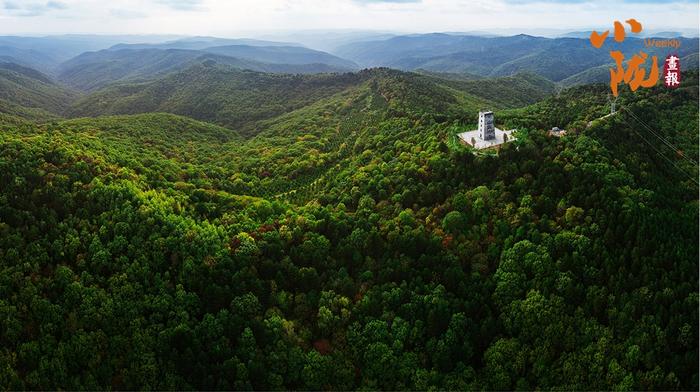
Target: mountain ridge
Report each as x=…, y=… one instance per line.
x=554, y=58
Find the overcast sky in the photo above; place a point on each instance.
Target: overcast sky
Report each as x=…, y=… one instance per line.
x=243, y=17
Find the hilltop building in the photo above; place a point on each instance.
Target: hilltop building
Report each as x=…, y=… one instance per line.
x=487, y=131
x=556, y=131
x=487, y=135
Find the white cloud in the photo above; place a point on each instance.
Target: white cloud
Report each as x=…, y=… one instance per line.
x=127, y=14
x=184, y=5
x=236, y=17
x=23, y=8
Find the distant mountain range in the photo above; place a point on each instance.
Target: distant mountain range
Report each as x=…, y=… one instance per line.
x=555, y=59
x=45, y=53
x=59, y=56
x=197, y=43
x=43, y=77
x=240, y=99
x=93, y=70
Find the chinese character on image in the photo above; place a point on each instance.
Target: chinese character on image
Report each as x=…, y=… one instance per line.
x=672, y=71
x=634, y=76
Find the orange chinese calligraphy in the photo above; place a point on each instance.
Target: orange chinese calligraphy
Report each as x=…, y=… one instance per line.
x=634, y=75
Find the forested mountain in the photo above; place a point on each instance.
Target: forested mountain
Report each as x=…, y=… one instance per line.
x=92, y=70
x=334, y=236
x=238, y=99
x=216, y=93
x=25, y=90
x=250, y=49
x=89, y=63
x=555, y=59
x=510, y=91
x=281, y=55
x=46, y=53
x=26, y=58
x=55, y=55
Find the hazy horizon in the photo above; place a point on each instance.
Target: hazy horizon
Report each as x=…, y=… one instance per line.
x=330, y=40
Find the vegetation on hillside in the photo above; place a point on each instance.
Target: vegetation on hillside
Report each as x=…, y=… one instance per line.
x=93, y=70
x=27, y=91
x=342, y=244
x=240, y=99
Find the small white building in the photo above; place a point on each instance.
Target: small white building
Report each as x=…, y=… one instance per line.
x=556, y=131
x=487, y=135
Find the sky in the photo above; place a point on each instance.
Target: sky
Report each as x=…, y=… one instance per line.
x=237, y=18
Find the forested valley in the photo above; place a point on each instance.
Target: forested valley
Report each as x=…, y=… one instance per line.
x=223, y=229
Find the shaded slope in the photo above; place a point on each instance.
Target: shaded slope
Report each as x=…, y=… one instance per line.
x=215, y=93
x=25, y=90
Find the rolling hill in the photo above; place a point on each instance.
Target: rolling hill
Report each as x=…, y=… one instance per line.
x=29, y=93
x=238, y=99
x=26, y=57
x=159, y=146
x=215, y=93
x=282, y=55
x=270, y=52
x=555, y=59
x=46, y=53
x=349, y=242
x=92, y=70
x=344, y=242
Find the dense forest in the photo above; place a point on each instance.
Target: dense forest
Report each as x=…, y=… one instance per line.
x=227, y=229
